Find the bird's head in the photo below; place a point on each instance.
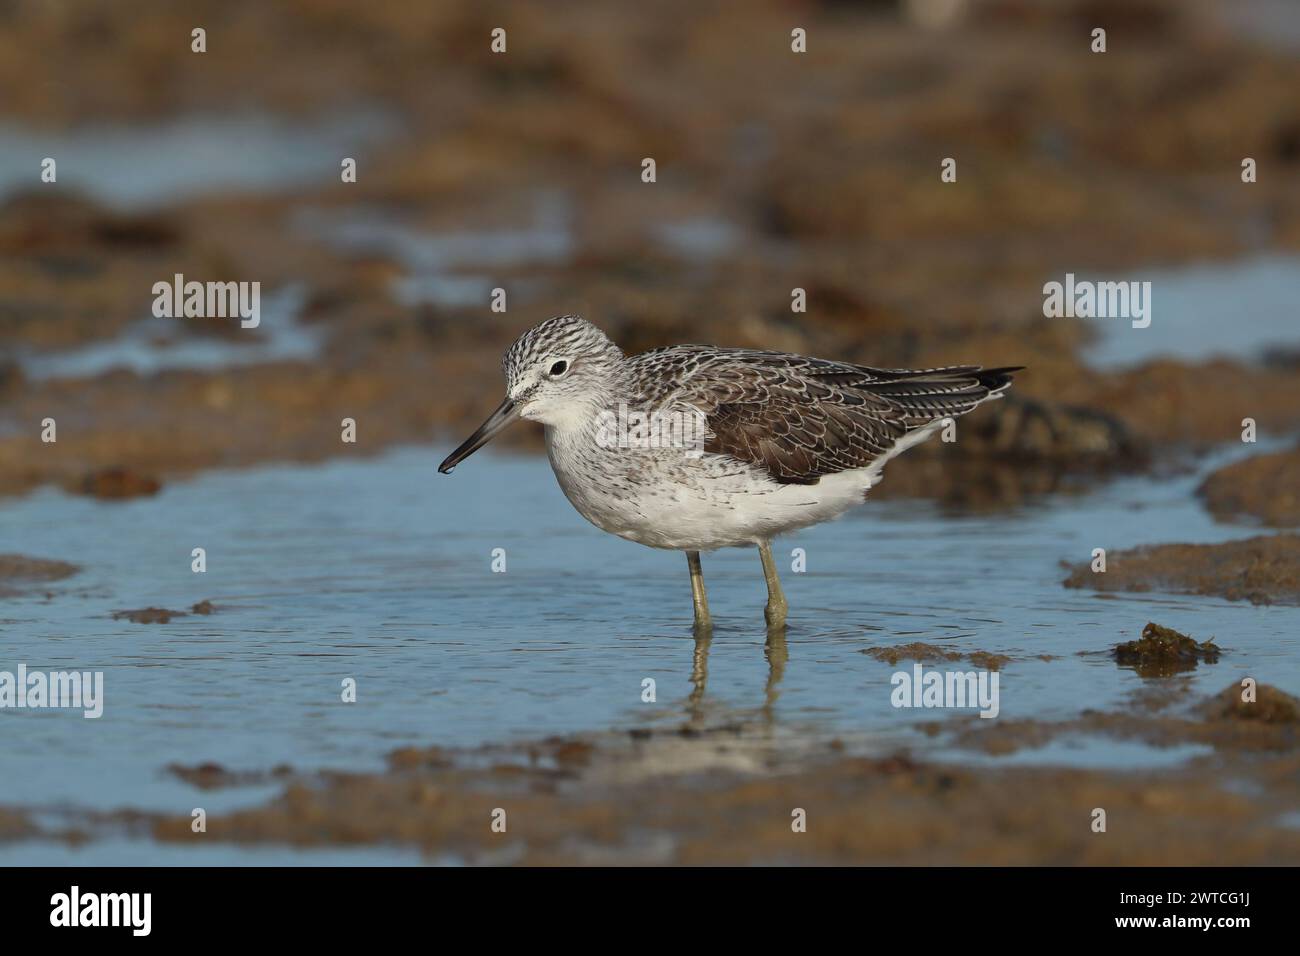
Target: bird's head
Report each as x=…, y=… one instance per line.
x=559, y=373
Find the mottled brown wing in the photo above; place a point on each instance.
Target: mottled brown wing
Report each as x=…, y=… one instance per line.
x=802, y=418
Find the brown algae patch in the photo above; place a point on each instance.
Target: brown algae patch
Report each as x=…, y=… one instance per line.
x=148, y=615
x=988, y=660
x=916, y=651
x=162, y=615
x=932, y=653
x=20, y=568
x=115, y=484
x=1262, y=570
x=1264, y=487
x=1162, y=651
x=18, y=571
x=214, y=776
x=15, y=824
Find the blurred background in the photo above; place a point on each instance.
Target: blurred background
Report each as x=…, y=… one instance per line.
x=522, y=171
x=775, y=171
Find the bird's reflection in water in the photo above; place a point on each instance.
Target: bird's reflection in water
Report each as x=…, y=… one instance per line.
x=699, y=678
x=776, y=652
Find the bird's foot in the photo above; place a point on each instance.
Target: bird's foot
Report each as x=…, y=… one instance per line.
x=775, y=614
x=703, y=626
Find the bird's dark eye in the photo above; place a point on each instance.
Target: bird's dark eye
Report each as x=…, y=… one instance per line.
x=559, y=368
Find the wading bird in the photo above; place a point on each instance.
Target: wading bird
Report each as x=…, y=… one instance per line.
x=784, y=441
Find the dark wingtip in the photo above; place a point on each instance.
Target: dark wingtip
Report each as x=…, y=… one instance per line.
x=996, y=379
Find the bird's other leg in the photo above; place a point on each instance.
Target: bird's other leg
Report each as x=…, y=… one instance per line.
x=776, y=607
x=703, y=623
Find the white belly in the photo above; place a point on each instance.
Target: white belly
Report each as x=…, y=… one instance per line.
x=663, y=499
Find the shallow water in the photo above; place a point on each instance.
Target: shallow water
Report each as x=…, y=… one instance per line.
x=1269, y=22
x=459, y=268
x=1086, y=752
x=151, y=344
x=380, y=570
x=149, y=165
x=1204, y=311
x=449, y=269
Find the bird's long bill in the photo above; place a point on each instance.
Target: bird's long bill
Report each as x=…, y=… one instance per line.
x=498, y=420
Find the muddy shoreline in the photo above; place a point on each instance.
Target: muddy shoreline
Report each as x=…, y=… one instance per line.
x=729, y=795
x=1261, y=570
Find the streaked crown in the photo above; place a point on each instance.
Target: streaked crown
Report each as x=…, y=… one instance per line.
x=568, y=338
x=558, y=371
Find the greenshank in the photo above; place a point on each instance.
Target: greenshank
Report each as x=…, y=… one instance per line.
x=694, y=448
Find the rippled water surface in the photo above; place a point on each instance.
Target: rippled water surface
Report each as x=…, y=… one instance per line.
x=1239, y=310
x=381, y=570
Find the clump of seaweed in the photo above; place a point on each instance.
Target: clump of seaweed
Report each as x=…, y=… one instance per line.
x=1162, y=651
x=916, y=651
x=931, y=653
x=162, y=615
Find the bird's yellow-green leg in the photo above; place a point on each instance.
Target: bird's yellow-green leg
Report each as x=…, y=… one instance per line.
x=776, y=607
x=703, y=623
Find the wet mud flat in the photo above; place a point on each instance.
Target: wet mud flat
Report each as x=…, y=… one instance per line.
x=1261, y=570
x=737, y=794
x=1257, y=491
x=1264, y=488
x=385, y=333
